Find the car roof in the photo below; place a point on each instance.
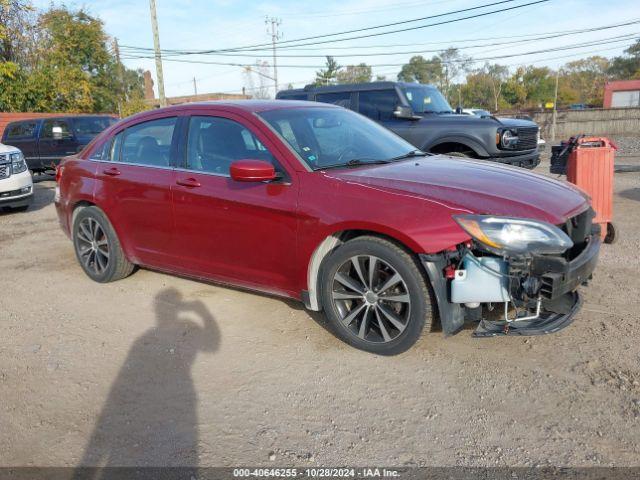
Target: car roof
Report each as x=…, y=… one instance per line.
x=351, y=87
x=64, y=117
x=237, y=106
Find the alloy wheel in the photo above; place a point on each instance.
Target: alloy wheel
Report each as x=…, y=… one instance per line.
x=93, y=246
x=371, y=298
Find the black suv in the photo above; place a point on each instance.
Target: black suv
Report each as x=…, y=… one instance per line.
x=421, y=115
x=44, y=141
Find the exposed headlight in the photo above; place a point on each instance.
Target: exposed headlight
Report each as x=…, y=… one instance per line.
x=18, y=164
x=516, y=236
x=509, y=139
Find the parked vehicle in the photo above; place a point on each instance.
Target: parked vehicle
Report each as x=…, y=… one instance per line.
x=16, y=185
x=320, y=204
x=44, y=141
x=421, y=115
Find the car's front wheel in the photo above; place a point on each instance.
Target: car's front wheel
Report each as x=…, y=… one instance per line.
x=374, y=295
x=98, y=248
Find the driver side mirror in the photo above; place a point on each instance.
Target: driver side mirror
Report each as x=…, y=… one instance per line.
x=405, y=112
x=252, y=171
x=459, y=110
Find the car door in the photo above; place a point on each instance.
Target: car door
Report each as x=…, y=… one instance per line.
x=134, y=188
x=243, y=233
x=57, y=140
x=379, y=105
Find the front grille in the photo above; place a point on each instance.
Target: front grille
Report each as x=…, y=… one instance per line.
x=527, y=138
x=5, y=168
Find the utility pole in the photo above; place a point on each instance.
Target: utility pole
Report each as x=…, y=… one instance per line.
x=156, y=47
x=120, y=72
x=195, y=87
x=555, y=109
x=275, y=36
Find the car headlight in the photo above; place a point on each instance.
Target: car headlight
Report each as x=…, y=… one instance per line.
x=509, y=139
x=18, y=163
x=514, y=236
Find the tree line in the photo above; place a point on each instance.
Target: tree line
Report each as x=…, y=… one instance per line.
x=496, y=87
x=61, y=60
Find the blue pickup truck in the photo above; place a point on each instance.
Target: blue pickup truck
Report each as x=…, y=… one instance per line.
x=45, y=141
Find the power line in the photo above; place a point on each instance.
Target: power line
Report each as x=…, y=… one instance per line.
x=376, y=54
x=616, y=39
x=284, y=43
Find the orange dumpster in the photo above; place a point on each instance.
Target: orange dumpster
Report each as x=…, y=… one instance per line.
x=590, y=167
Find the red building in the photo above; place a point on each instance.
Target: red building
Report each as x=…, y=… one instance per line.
x=622, y=93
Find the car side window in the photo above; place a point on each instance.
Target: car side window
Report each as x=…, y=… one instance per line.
x=48, y=126
x=378, y=104
x=149, y=143
x=214, y=143
x=342, y=99
x=103, y=152
x=22, y=130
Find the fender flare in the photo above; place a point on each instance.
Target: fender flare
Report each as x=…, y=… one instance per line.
x=469, y=142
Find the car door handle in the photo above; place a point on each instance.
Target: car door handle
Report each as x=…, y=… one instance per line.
x=113, y=171
x=188, y=182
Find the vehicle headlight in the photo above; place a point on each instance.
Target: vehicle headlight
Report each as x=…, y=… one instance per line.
x=509, y=139
x=18, y=164
x=515, y=236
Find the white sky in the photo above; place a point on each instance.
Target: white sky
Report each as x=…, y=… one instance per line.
x=216, y=24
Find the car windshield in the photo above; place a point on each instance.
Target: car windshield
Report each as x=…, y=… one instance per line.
x=333, y=137
x=92, y=125
x=425, y=99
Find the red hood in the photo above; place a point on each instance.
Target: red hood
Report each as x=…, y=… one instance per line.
x=477, y=186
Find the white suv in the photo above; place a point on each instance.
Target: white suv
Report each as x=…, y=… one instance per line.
x=16, y=185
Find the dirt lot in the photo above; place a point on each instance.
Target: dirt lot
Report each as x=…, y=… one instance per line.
x=157, y=370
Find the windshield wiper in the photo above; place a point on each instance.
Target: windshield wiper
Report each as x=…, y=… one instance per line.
x=412, y=153
x=354, y=162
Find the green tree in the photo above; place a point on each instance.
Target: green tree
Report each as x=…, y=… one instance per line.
x=328, y=75
x=421, y=70
x=627, y=66
x=355, y=74
x=582, y=81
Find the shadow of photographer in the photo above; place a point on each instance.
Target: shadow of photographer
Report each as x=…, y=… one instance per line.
x=150, y=415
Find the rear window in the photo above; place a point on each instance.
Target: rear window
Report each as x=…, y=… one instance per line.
x=342, y=99
x=91, y=125
x=21, y=130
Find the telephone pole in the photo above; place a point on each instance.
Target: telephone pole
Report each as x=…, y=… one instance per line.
x=195, y=87
x=120, y=72
x=555, y=109
x=156, y=47
x=275, y=36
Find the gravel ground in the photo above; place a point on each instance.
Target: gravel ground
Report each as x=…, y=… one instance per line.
x=157, y=370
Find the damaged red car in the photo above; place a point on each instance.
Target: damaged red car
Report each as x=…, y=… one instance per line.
x=317, y=203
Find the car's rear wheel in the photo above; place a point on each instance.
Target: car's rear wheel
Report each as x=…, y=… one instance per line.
x=97, y=247
x=375, y=296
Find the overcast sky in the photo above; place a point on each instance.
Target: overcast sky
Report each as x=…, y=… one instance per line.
x=216, y=24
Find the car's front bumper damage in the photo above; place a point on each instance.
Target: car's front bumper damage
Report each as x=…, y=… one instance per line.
x=528, y=295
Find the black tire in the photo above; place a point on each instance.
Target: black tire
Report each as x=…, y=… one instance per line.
x=109, y=264
x=22, y=208
x=412, y=286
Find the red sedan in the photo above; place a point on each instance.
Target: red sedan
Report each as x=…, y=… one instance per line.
x=317, y=203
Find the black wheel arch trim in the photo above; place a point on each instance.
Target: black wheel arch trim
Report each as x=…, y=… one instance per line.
x=451, y=314
x=468, y=142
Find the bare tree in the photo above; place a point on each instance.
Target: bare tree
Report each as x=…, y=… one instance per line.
x=257, y=80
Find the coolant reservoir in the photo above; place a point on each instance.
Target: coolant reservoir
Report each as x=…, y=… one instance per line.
x=482, y=279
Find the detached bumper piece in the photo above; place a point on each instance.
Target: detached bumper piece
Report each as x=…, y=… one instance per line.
x=548, y=322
